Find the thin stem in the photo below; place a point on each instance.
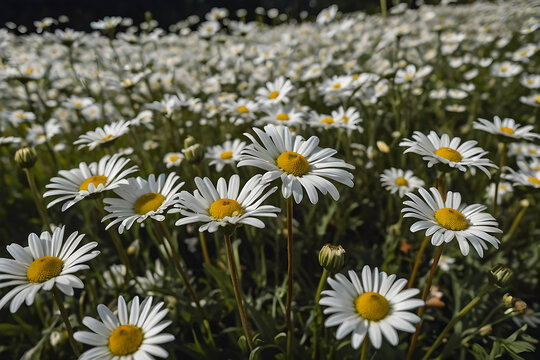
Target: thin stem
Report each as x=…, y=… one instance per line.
x=116, y=239
x=162, y=233
x=58, y=298
x=318, y=313
x=364, y=351
x=204, y=248
x=37, y=198
x=455, y=319
x=424, y=297
x=288, y=319
x=440, y=185
x=417, y=262
x=515, y=224
x=498, y=176
x=237, y=293
x=384, y=10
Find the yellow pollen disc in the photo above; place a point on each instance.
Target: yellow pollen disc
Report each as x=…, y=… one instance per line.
x=371, y=306
x=282, y=117
x=337, y=86
x=530, y=81
x=292, y=163
x=503, y=187
x=506, y=130
x=225, y=207
x=273, y=95
x=327, y=120
x=523, y=53
x=537, y=99
x=242, y=109
x=449, y=154
x=401, y=181
x=105, y=138
x=408, y=76
x=345, y=119
x=451, y=219
x=44, y=268
x=19, y=115
x=532, y=151
x=148, y=202
x=226, y=155
x=29, y=70
x=173, y=158
x=125, y=340
x=534, y=180
x=503, y=69
x=96, y=180
x=78, y=104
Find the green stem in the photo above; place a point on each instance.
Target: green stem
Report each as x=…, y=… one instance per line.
x=455, y=319
x=37, y=198
x=237, y=292
x=384, y=10
x=515, y=224
x=58, y=298
x=318, y=313
x=364, y=351
x=424, y=297
x=417, y=262
x=498, y=176
x=288, y=318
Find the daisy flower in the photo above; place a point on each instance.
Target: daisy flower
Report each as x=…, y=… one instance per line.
x=109, y=132
x=523, y=178
x=448, y=152
x=225, y=205
x=399, y=181
x=446, y=220
x=506, y=128
x=524, y=149
x=47, y=261
x=140, y=199
x=298, y=162
x=173, y=159
x=282, y=115
x=76, y=184
x=373, y=304
x=133, y=333
x=275, y=92
x=226, y=153
x=531, y=100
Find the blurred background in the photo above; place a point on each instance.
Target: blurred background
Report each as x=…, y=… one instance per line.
x=167, y=12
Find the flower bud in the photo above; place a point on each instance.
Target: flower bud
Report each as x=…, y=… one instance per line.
x=190, y=140
x=486, y=330
x=332, y=258
x=26, y=157
x=383, y=147
x=194, y=154
x=500, y=275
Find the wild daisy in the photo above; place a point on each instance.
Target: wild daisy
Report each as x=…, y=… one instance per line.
x=227, y=153
x=48, y=261
x=140, y=199
x=134, y=332
x=109, y=132
x=225, y=205
x=276, y=92
x=446, y=220
x=173, y=159
x=523, y=178
x=506, y=128
x=448, y=152
x=298, y=162
x=399, y=181
x=373, y=304
x=86, y=180
x=282, y=115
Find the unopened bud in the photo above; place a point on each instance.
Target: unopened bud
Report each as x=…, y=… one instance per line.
x=486, y=330
x=332, y=258
x=26, y=157
x=383, y=147
x=500, y=275
x=190, y=140
x=194, y=154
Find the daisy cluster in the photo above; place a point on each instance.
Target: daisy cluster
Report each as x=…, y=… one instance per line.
x=368, y=131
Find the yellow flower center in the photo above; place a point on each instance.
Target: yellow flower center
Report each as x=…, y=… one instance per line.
x=537, y=99
x=503, y=69
x=506, y=130
x=451, y=219
x=226, y=155
x=44, y=268
x=449, y=154
x=173, y=158
x=242, y=109
x=96, y=180
x=345, y=119
x=148, y=202
x=355, y=77
x=337, y=86
x=401, y=181
x=408, y=76
x=273, y=95
x=282, y=117
x=78, y=104
x=225, y=207
x=29, y=70
x=327, y=120
x=105, y=138
x=534, y=180
x=371, y=306
x=125, y=340
x=292, y=163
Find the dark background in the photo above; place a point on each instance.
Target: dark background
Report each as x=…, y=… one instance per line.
x=166, y=12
